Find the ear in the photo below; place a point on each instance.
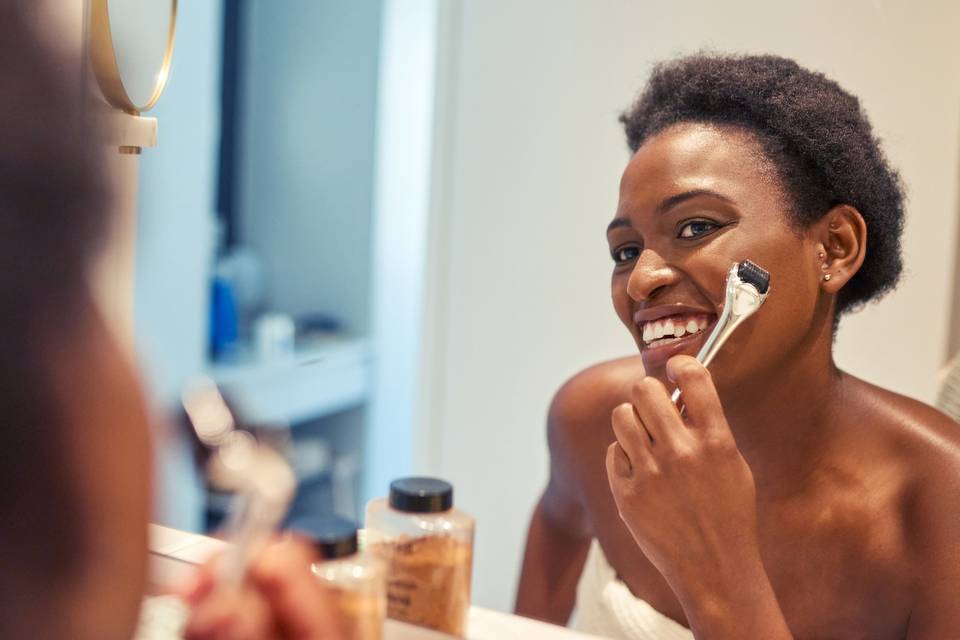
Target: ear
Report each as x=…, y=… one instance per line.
x=842, y=239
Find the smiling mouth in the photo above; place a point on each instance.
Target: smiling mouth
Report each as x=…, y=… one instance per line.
x=670, y=329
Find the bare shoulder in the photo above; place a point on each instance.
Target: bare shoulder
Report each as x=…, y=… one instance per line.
x=916, y=428
x=578, y=432
x=583, y=403
x=926, y=443
x=578, y=425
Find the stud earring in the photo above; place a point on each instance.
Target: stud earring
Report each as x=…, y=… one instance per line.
x=826, y=277
x=821, y=255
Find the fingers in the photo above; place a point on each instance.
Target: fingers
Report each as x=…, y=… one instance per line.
x=230, y=614
x=280, y=598
x=618, y=464
x=632, y=448
x=202, y=582
x=703, y=408
x=302, y=608
x=657, y=412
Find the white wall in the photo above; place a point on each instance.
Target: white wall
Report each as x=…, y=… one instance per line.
x=534, y=156
x=175, y=240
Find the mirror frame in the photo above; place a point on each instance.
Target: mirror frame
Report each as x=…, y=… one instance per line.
x=104, y=58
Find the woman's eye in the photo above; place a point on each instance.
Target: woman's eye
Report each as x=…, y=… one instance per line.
x=697, y=228
x=625, y=254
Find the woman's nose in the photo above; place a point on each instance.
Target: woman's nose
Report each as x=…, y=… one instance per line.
x=650, y=275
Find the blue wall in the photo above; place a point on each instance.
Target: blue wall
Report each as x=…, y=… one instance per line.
x=307, y=135
x=175, y=240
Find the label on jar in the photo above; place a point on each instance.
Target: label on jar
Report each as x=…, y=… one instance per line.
x=428, y=581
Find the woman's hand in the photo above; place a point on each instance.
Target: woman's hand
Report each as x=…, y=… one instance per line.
x=688, y=497
x=280, y=600
x=680, y=483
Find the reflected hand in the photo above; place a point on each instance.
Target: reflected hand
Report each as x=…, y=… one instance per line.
x=681, y=485
x=280, y=599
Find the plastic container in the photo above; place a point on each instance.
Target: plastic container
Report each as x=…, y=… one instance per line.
x=427, y=546
x=355, y=579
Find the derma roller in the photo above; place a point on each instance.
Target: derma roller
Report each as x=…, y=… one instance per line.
x=747, y=288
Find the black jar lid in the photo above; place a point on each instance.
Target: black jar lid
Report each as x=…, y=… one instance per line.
x=421, y=495
x=332, y=536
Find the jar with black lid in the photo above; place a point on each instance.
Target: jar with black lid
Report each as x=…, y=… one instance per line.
x=355, y=579
x=427, y=546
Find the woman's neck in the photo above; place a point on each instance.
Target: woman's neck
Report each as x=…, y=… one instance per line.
x=785, y=422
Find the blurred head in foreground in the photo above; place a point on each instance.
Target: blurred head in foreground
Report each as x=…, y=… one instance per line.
x=74, y=462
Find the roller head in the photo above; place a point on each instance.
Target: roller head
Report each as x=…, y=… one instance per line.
x=752, y=274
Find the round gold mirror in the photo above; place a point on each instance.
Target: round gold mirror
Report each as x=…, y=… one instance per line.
x=131, y=44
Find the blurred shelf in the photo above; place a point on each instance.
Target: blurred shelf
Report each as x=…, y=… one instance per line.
x=321, y=379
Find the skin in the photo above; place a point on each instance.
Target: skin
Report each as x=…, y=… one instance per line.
x=794, y=500
x=280, y=601
x=109, y=451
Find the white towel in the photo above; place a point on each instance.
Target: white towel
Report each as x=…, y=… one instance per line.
x=948, y=400
x=605, y=606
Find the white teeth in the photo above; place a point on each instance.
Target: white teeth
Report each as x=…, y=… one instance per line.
x=672, y=327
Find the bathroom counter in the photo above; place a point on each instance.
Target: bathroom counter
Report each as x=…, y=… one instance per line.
x=173, y=554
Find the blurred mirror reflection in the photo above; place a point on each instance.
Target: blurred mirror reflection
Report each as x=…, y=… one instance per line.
x=380, y=223
x=141, y=32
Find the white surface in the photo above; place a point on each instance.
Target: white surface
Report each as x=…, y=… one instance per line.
x=173, y=553
x=162, y=616
x=535, y=156
x=318, y=381
x=182, y=545
x=485, y=624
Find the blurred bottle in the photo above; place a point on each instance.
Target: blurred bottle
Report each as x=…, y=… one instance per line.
x=224, y=329
x=355, y=579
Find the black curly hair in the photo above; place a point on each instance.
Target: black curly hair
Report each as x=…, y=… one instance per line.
x=814, y=132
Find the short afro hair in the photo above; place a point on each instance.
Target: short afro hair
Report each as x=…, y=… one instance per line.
x=814, y=132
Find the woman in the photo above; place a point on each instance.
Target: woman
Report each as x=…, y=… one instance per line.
x=74, y=450
x=794, y=500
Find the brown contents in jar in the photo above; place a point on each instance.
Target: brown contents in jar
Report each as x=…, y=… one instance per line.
x=428, y=581
x=361, y=614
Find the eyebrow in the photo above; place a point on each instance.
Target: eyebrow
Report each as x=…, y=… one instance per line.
x=670, y=202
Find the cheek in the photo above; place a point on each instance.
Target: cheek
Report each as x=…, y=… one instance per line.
x=792, y=303
x=759, y=346
x=794, y=283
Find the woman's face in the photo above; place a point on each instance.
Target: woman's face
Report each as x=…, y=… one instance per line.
x=694, y=200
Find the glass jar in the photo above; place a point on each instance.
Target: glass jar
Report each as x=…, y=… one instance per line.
x=427, y=546
x=355, y=580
